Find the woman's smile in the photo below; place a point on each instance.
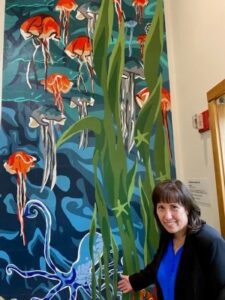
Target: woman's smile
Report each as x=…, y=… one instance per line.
x=173, y=217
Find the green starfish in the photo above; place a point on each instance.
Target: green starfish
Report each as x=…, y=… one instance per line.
x=120, y=208
x=141, y=138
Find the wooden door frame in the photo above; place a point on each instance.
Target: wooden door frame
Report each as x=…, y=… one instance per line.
x=216, y=107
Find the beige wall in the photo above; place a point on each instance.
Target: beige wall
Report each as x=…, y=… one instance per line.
x=196, y=50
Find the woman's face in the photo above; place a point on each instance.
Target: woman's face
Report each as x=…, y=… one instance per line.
x=173, y=217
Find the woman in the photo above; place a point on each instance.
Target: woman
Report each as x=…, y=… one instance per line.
x=190, y=261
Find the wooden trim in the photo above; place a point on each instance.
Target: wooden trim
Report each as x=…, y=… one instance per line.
x=217, y=91
x=217, y=126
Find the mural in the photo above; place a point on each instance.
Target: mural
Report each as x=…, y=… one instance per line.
x=86, y=133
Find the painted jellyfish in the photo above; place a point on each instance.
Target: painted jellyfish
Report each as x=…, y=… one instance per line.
x=81, y=48
x=20, y=163
x=145, y=295
x=40, y=29
x=139, y=9
x=79, y=276
x=133, y=70
x=130, y=24
x=89, y=11
x=141, y=38
x=142, y=97
x=65, y=7
x=57, y=84
x=81, y=103
x=46, y=117
x=119, y=10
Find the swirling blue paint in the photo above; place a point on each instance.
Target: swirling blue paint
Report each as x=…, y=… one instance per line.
x=79, y=275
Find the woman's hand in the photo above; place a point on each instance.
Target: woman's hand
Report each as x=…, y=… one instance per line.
x=124, y=284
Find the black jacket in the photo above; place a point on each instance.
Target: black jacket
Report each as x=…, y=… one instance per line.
x=201, y=272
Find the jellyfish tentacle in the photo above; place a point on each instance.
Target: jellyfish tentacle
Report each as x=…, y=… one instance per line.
x=53, y=161
x=73, y=293
x=124, y=100
x=66, y=26
x=29, y=274
x=80, y=76
x=131, y=113
x=44, y=130
x=36, y=46
x=91, y=74
x=57, y=288
x=48, y=221
x=21, y=198
x=47, y=57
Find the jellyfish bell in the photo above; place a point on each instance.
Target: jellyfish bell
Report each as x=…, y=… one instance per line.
x=40, y=29
x=139, y=8
x=46, y=117
x=20, y=163
x=65, y=7
x=141, y=38
x=89, y=11
x=57, y=84
x=80, y=48
x=38, y=117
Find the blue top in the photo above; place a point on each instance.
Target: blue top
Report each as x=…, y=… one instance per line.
x=167, y=271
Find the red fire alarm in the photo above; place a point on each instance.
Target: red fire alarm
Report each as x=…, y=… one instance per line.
x=203, y=121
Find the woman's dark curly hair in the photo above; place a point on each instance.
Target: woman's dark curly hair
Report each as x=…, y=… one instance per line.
x=174, y=191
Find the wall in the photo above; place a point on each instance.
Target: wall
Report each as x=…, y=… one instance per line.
x=196, y=63
x=196, y=50
x=92, y=189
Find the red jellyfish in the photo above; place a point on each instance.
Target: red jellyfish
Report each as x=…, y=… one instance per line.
x=141, y=38
x=40, y=29
x=139, y=9
x=57, y=84
x=142, y=97
x=20, y=163
x=65, y=7
x=81, y=49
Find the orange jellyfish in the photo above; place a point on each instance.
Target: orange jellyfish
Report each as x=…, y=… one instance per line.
x=57, y=84
x=81, y=48
x=139, y=9
x=141, y=38
x=65, y=7
x=142, y=97
x=20, y=163
x=40, y=29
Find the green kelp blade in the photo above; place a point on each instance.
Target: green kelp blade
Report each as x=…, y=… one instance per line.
x=102, y=37
x=116, y=65
x=153, y=47
x=146, y=120
x=91, y=123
